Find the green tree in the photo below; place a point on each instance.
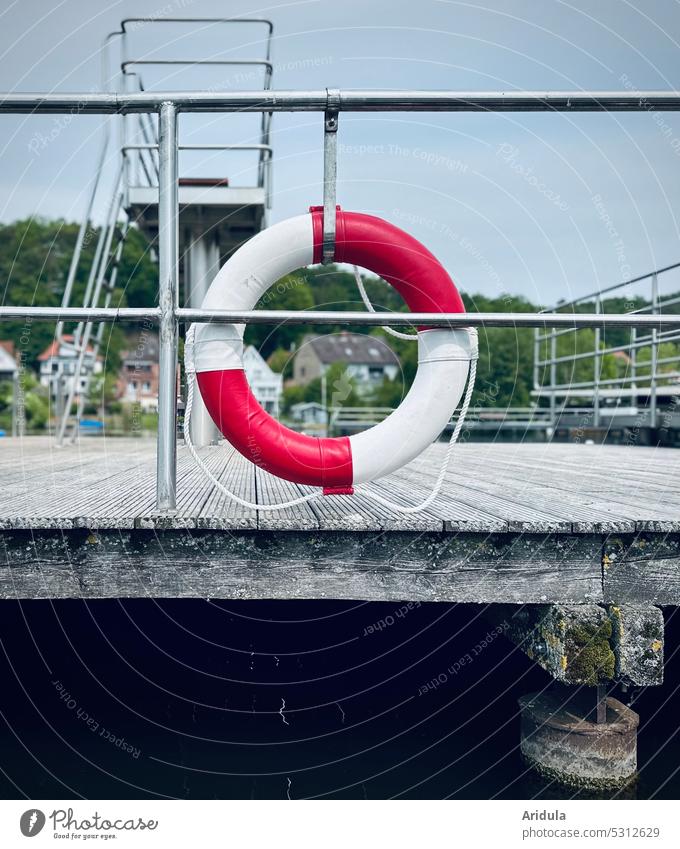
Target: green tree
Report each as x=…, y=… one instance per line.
x=666, y=351
x=281, y=361
x=289, y=293
x=35, y=255
x=102, y=395
x=36, y=402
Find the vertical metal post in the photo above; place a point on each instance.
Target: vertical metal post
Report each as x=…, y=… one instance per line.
x=124, y=139
x=15, y=403
x=655, y=355
x=324, y=402
x=330, y=174
x=168, y=215
x=201, y=264
x=633, y=367
x=553, y=377
x=597, y=368
x=537, y=357
x=601, y=704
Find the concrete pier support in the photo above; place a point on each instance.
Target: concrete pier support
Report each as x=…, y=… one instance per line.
x=588, y=644
x=202, y=264
x=572, y=732
x=562, y=745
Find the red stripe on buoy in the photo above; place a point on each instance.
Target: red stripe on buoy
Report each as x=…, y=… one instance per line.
x=375, y=244
x=269, y=444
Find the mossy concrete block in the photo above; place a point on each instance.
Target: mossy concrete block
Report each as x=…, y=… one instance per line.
x=638, y=642
x=563, y=746
x=571, y=642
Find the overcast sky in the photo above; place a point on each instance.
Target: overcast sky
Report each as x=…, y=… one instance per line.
x=548, y=206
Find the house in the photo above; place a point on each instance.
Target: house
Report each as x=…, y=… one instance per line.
x=308, y=413
x=139, y=372
x=8, y=362
x=369, y=359
x=58, y=367
x=9, y=370
x=265, y=384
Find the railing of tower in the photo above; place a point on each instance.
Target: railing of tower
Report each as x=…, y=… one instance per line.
x=139, y=166
x=139, y=139
x=332, y=103
x=638, y=367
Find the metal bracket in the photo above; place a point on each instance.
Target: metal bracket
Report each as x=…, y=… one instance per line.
x=330, y=173
x=601, y=704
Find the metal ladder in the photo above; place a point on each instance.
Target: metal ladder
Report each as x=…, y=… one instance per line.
x=100, y=285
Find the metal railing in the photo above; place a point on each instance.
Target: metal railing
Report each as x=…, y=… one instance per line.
x=341, y=419
x=644, y=371
x=139, y=139
x=168, y=315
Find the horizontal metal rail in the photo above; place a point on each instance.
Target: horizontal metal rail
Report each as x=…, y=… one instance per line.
x=163, y=20
x=640, y=379
x=482, y=418
x=351, y=100
x=640, y=344
x=265, y=63
x=400, y=319
x=267, y=148
x=612, y=287
x=474, y=319
x=667, y=302
x=109, y=314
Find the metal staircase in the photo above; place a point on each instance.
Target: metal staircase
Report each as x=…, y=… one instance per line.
x=215, y=216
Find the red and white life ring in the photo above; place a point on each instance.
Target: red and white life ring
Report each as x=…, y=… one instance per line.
x=443, y=354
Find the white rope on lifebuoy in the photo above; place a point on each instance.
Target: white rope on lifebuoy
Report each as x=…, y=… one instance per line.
x=409, y=337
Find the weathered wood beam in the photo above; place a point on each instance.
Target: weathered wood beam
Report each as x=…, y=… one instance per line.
x=403, y=566
x=642, y=568
x=510, y=568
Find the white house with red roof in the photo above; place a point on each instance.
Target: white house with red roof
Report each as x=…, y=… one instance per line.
x=58, y=367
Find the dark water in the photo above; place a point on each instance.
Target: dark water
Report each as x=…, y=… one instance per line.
x=142, y=698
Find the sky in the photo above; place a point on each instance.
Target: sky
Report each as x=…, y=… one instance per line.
x=549, y=206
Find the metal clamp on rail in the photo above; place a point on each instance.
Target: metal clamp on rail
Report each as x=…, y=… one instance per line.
x=330, y=173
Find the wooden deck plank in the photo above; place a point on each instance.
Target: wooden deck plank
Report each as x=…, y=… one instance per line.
x=272, y=490
x=601, y=502
x=409, y=486
x=220, y=512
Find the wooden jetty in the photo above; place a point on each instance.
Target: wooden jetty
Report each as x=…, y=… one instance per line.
x=515, y=523
x=574, y=548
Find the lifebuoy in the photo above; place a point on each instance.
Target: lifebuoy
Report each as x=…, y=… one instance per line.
x=443, y=354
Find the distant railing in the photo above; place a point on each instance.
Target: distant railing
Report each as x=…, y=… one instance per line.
x=644, y=372
x=168, y=316
x=349, y=419
x=354, y=418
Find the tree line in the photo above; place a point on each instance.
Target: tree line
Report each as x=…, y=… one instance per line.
x=35, y=255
